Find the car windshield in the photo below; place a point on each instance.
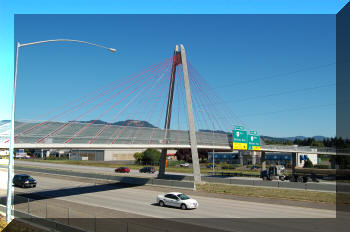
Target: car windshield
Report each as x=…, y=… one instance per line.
x=29, y=178
x=183, y=197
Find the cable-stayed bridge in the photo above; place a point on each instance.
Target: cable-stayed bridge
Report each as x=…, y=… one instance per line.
x=171, y=93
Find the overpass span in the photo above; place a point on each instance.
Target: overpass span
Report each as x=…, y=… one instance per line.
x=128, y=137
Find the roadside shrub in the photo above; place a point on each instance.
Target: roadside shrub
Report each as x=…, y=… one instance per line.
x=321, y=166
x=308, y=164
x=172, y=163
x=53, y=157
x=228, y=166
x=151, y=155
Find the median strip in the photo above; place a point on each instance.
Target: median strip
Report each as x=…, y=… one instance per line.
x=298, y=195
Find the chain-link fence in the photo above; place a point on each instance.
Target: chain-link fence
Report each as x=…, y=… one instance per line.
x=55, y=215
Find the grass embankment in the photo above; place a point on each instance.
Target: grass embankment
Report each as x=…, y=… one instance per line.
x=204, y=169
x=299, y=195
x=3, y=223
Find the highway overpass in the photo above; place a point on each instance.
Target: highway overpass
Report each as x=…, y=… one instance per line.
x=60, y=135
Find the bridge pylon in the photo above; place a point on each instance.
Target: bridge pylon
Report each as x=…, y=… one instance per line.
x=180, y=58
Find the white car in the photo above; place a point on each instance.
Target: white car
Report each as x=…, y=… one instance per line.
x=185, y=165
x=176, y=199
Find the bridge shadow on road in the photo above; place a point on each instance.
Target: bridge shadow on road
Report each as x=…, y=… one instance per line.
x=20, y=198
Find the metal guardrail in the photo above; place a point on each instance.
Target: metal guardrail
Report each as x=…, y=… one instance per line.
x=276, y=184
x=300, y=149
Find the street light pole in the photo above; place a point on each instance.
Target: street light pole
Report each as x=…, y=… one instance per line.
x=213, y=151
x=9, y=202
x=12, y=136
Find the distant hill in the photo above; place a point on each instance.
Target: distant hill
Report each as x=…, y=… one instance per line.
x=215, y=131
x=136, y=123
x=3, y=122
x=129, y=122
x=96, y=122
x=317, y=138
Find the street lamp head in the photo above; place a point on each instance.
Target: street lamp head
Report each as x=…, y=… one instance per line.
x=112, y=49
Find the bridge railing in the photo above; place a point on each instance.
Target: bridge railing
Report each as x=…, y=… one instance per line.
x=113, y=134
x=306, y=149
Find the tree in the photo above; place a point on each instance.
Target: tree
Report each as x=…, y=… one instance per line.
x=308, y=164
x=183, y=154
x=138, y=157
x=342, y=160
x=151, y=155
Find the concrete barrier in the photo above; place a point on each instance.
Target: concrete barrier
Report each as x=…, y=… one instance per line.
x=323, y=187
x=241, y=182
x=216, y=180
x=259, y=183
x=293, y=185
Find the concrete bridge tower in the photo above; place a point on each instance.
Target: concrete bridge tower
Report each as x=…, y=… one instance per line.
x=180, y=58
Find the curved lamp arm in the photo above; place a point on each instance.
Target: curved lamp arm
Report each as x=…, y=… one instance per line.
x=66, y=40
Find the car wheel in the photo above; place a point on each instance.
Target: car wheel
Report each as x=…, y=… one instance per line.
x=22, y=186
x=161, y=204
x=300, y=179
x=183, y=206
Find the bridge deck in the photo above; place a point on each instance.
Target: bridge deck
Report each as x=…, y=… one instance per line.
x=127, y=137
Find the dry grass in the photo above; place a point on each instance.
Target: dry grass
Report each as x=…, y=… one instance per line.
x=3, y=223
x=299, y=195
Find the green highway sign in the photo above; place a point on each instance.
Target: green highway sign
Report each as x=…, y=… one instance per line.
x=240, y=136
x=253, y=132
x=240, y=139
x=253, y=142
x=240, y=128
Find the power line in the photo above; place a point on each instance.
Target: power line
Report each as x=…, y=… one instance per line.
x=275, y=76
x=289, y=110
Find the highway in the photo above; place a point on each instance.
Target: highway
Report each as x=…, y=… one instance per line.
x=133, y=172
x=73, y=167
x=140, y=201
x=85, y=198
x=321, y=186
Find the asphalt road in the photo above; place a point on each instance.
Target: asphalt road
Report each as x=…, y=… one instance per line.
x=141, y=201
x=73, y=167
x=133, y=172
x=107, y=201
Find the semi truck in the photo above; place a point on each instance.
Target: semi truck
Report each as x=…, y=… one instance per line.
x=278, y=172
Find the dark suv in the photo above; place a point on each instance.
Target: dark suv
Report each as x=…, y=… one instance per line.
x=24, y=180
x=148, y=170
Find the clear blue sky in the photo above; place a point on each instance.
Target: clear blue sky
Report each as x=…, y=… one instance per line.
x=228, y=51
